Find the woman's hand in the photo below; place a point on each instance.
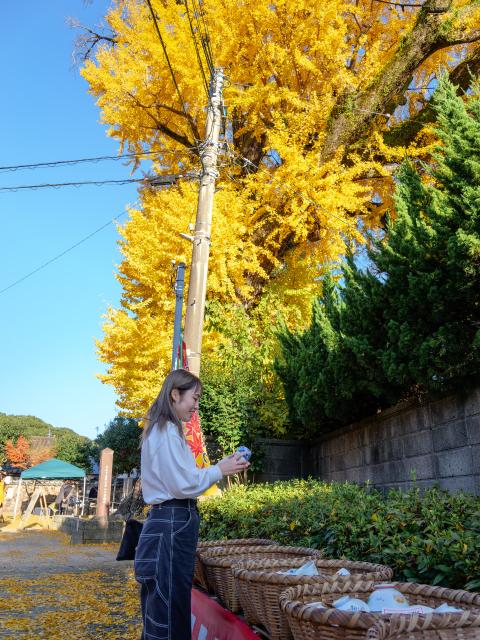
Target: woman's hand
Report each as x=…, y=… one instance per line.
x=233, y=464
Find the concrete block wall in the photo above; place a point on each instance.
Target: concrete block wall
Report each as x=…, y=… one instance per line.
x=91, y=531
x=281, y=459
x=437, y=443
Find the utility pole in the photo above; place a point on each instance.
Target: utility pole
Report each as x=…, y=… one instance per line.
x=177, y=323
x=197, y=287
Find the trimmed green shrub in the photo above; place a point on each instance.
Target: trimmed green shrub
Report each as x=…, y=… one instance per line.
x=431, y=538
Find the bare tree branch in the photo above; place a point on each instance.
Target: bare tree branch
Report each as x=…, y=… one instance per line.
x=163, y=128
x=86, y=42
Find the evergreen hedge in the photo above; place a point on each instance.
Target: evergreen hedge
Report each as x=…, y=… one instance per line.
x=431, y=538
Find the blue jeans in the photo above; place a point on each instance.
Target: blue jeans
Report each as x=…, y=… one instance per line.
x=164, y=563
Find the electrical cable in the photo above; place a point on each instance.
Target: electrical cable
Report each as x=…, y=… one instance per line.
x=60, y=255
x=58, y=185
x=208, y=39
x=152, y=181
x=424, y=88
x=194, y=38
x=204, y=44
x=172, y=73
x=205, y=38
x=56, y=163
x=403, y=5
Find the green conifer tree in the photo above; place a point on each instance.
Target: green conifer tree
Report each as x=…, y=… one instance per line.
x=411, y=321
x=430, y=263
x=305, y=368
x=360, y=372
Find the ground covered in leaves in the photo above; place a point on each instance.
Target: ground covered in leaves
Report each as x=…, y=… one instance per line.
x=53, y=590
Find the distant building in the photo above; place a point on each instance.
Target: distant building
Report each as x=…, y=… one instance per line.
x=42, y=442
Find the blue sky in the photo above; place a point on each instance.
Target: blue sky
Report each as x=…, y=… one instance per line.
x=49, y=322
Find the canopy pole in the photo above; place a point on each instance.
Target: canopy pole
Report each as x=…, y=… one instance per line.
x=83, y=497
x=17, y=498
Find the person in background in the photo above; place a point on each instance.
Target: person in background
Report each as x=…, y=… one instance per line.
x=93, y=493
x=92, y=498
x=61, y=500
x=171, y=482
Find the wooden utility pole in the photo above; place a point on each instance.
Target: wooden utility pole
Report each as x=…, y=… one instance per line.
x=197, y=287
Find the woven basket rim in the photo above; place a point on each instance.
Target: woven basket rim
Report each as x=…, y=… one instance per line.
x=413, y=588
x=203, y=544
x=210, y=553
x=266, y=571
x=292, y=605
x=230, y=560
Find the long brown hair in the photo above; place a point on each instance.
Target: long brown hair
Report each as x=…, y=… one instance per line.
x=162, y=410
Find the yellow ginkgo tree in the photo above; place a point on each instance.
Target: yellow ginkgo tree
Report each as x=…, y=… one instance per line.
x=322, y=99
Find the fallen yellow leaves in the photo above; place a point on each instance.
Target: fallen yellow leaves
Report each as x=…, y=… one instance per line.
x=83, y=605
x=71, y=606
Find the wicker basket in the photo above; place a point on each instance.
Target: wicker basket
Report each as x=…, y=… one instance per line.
x=203, y=545
x=218, y=563
x=259, y=586
x=332, y=624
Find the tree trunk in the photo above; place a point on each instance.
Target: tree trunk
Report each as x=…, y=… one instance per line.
x=354, y=111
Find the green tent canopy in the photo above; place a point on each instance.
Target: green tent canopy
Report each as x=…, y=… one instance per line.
x=52, y=469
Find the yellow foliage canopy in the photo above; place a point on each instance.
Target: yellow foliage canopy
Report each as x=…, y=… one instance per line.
x=310, y=89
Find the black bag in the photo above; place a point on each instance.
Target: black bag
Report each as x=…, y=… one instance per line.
x=129, y=543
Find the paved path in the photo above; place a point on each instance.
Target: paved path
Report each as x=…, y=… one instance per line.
x=30, y=553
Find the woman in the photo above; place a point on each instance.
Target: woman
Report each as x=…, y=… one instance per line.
x=171, y=482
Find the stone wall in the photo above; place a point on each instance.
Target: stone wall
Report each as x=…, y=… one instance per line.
x=93, y=531
x=436, y=443
x=281, y=459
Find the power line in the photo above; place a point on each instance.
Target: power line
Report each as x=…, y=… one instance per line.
x=58, y=185
x=403, y=5
x=153, y=181
x=205, y=38
x=126, y=156
x=60, y=255
x=172, y=73
x=424, y=88
x=194, y=38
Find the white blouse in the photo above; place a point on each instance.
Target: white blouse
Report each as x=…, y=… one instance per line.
x=168, y=468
